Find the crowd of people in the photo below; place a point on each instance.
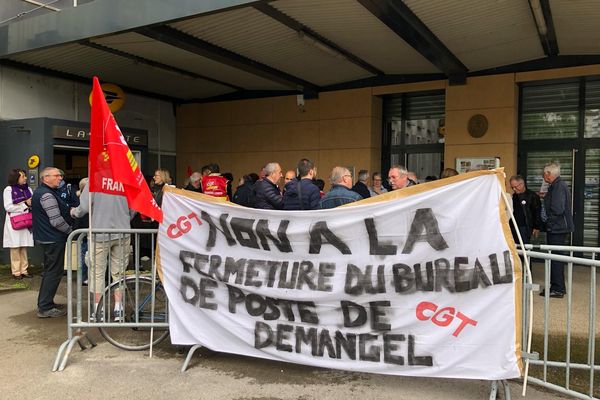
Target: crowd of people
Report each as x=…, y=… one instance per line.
x=300, y=189
x=49, y=214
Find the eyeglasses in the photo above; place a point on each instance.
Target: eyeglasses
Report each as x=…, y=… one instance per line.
x=54, y=175
x=377, y=179
x=347, y=175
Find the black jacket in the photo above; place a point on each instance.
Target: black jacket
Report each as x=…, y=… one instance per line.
x=557, y=203
x=244, y=195
x=361, y=189
x=526, y=209
x=311, y=196
x=191, y=188
x=267, y=195
x=43, y=231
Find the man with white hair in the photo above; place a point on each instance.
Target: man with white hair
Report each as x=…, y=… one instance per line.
x=340, y=193
x=266, y=192
x=398, y=177
x=559, y=222
x=50, y=230
x=195, y=184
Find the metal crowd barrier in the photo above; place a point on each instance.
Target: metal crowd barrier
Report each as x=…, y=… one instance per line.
x=140, y=322
x=142, y=319
x=589, y=263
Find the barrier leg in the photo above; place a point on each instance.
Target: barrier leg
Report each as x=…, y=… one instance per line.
x=190, y=354
x=67, y=347
x=59, y=355
x=494, y=390
x=506, y=389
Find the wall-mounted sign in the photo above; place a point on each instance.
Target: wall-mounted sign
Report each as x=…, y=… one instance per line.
x=114, y=95
x=476, y=164
x=78, y=133
x=33, y=161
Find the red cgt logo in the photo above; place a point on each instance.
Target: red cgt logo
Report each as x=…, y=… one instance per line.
x=182, y=226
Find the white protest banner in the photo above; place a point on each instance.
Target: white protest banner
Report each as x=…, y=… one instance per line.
x=424, y=281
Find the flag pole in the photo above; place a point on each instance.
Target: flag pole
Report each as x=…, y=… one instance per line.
x=91, y=245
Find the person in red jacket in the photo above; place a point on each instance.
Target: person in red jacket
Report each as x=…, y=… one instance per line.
x=214, y=184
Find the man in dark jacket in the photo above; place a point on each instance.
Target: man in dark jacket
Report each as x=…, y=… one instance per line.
x=50, y=230
x=361, y=186
x=302, y=193
x=340, y=193
x=526, y=209
x=557, y=203
x=266, y=192
x=244, y=194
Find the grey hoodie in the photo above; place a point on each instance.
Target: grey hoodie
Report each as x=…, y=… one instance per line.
x=108, y=212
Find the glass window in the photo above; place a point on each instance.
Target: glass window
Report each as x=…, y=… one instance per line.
x=592, y=110
x=413, y=132
x=536, y=160
x=550, y=111
x=424, y=115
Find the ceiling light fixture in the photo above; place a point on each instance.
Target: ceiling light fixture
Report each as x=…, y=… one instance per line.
x=308, y=38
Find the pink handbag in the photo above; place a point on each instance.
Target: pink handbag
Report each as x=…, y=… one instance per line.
x=21, y=221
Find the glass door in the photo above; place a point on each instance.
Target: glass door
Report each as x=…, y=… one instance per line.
x=560, y=122
x=413, y=133
x=425, y=164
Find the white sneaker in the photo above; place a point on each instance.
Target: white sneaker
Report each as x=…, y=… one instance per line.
x=118, y=316
x=97, y=318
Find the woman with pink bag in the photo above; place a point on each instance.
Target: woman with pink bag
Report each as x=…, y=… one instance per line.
x=17, y=200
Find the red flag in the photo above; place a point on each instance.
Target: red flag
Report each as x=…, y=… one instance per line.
x=112, y=166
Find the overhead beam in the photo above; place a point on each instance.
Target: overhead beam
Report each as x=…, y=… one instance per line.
x=302, y=29
x=156, y=64
x=203, y=48
x=245, y=95
x=542, y=15
x=384, y=81
x=542, y=64
x=399, y=18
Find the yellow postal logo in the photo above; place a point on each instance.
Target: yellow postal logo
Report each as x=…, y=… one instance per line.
x=33, y=161
x=114, y=95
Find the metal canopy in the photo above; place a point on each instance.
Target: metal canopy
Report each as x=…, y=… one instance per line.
x=193, y=50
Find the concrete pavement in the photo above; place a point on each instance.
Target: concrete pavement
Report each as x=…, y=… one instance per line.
x=28, y=346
